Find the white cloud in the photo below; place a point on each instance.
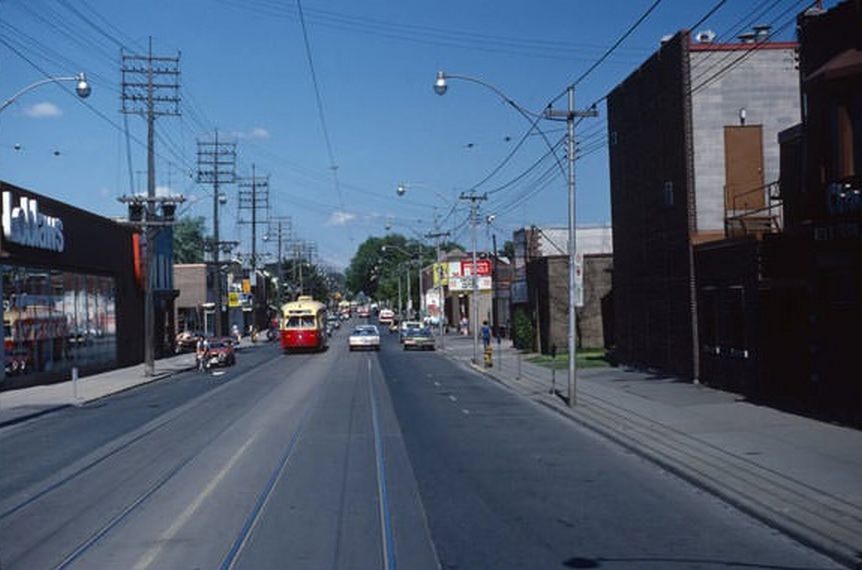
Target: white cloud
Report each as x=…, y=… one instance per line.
x=339, y=218
x=258, y=133
x=42, y=110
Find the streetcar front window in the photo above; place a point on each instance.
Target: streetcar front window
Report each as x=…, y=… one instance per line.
x=301, y=322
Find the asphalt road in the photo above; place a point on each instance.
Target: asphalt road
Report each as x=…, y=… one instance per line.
x=350, y=460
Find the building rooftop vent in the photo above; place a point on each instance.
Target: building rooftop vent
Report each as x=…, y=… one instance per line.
x=762, y=32
x=746, y=37
x=705, y=36
x=666, y=38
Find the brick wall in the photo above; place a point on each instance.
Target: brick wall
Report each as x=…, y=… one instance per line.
x=651, y=203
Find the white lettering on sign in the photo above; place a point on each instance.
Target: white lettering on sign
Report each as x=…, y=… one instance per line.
x=25, y=225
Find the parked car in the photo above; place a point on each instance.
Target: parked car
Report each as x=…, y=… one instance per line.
x=187, y=341
x=364, y=337
x=420, y=339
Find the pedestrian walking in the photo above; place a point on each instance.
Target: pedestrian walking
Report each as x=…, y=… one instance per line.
x=201, y=353
x=486, y=334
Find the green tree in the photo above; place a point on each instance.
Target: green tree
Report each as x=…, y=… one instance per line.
x=189, y=240
x=508, y=249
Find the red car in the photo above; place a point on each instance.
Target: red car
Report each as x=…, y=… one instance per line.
x=221, y=353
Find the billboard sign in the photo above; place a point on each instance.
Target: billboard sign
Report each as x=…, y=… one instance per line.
x=466, y=283
x=483, y=267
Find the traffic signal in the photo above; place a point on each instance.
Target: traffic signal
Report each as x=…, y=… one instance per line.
x=136, y=212
x=169, y=210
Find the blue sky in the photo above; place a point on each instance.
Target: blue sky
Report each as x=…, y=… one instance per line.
x=245, y=71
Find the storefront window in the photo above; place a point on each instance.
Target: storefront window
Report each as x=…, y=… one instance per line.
x=54, y=320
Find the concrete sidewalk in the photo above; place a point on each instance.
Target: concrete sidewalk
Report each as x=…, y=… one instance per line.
x=799, y=475
x=26, y=403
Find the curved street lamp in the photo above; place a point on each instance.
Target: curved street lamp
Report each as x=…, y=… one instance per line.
x=569, y=115
x=82, y=87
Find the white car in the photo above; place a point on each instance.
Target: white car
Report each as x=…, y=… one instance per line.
x=364, y=337
x=386, y=317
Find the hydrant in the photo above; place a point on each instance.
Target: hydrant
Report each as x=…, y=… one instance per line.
x=489, y=354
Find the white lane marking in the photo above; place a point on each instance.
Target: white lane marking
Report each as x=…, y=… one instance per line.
x=150, y=556
x=218, y=373
x=436, y=383
x=453, y=398
x=465, y=411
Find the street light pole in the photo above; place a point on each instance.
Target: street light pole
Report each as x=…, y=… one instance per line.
x=441, y=86
x=83, y=91
x=82, y=88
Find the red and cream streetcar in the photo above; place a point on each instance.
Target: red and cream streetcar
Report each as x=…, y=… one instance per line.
x=303, y=325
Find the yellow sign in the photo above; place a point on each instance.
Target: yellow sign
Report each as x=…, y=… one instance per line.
x=233, y=299
x=441, y=275
x=246, y=286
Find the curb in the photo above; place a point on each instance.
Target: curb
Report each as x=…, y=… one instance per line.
x=796, y=530
x=51, y=409
x=33, y=415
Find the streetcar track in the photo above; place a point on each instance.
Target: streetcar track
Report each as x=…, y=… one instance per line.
x=175, y=415
x=141, y=499
x=339, y=533
x=388, y=546
x=248, y=527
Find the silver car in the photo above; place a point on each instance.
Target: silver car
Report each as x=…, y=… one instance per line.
x=364, y=337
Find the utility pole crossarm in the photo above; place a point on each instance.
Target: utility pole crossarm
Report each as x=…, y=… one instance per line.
x=150, y=91
x=211, y=171
x=474, y=200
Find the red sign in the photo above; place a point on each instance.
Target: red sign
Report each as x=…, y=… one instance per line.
x=483, y=267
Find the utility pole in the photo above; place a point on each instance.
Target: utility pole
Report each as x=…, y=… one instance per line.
x=280, y=232
x=150, y=87
x=569, y=116
x=400, y=303
x=474, y=277
x=216, y=166
x=494, y=310
x=442, y=303
x=253, y=195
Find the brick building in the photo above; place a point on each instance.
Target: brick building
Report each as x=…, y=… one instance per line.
x=541, y=276
x=692, y=140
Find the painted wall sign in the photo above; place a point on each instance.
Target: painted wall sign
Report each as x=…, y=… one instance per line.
x=25, y=225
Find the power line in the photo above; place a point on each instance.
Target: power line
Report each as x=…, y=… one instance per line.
x=320, y=113
x=463, y=39
x=616, y=44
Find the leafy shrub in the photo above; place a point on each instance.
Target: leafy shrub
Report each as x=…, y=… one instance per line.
x=523, y=335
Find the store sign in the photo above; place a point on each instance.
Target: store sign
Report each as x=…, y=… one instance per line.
x=25, y=225
x=440, y=274
x=483, y=267
x=466, y=284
